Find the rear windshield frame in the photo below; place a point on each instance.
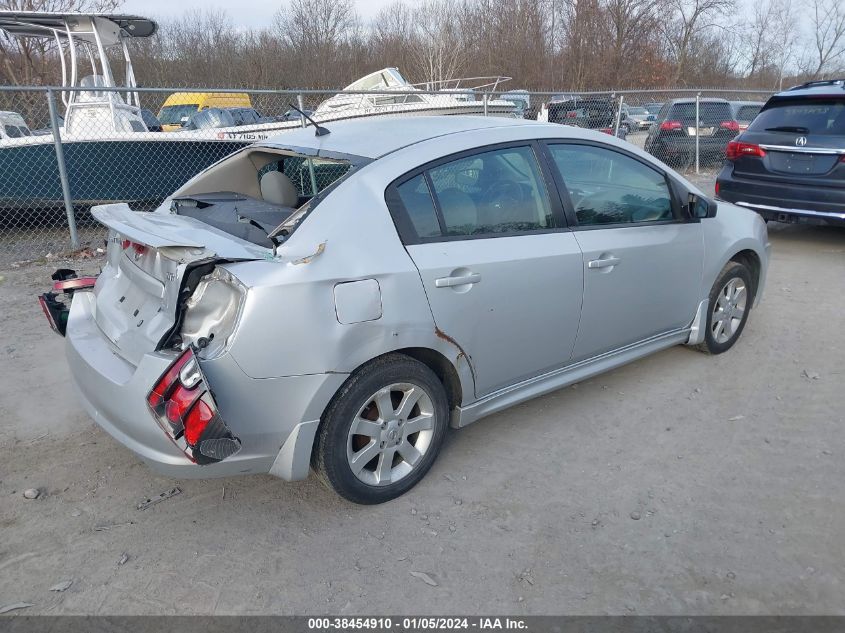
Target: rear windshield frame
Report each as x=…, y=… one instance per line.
x=768, y=116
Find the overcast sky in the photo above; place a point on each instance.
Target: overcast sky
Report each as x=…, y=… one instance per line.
x=251, y=13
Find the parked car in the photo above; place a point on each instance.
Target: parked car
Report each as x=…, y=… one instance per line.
x=522, y=100
x=455, y=266
x=224, y=117
x=179, y=106
x=592, y=113
x=789, y=165
x=653, y=108
x=293, y=115
x=672, y=136
x=745, y=111
x=639, y=118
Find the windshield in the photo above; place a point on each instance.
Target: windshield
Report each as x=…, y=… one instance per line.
x=819, y=116
x=747, y=113
x=637, y=111
x=173, y=115
x=708, y=112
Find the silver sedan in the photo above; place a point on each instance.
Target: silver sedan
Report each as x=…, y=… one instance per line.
x=337, y=299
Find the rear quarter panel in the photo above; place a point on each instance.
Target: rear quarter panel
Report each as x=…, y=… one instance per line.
x=290, y=325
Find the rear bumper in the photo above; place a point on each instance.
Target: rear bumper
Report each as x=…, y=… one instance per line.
x=685, y=146
x=264, y=414
x=783, y=202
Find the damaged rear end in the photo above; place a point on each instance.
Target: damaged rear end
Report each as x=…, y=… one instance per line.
x=138, y=332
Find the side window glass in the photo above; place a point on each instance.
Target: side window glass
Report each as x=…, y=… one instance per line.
x=419, y=206
x=607, y=187
x=495, y=192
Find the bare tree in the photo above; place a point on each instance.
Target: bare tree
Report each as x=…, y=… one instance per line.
x=317, y=33
x=691, y=19
x=438, y=50
x=393, y=36
x=631, y=22
x=827, y=21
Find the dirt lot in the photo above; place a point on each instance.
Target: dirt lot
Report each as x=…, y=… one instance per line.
x=678, y=484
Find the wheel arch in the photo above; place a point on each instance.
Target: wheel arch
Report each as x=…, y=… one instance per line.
x=751, y=260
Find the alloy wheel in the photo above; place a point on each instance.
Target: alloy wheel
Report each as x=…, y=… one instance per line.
x=728, y=310
x=391, y=433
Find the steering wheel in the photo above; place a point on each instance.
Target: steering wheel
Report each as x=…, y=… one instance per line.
x=503, y=193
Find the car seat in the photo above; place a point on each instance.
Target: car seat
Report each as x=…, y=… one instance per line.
x=276, y=188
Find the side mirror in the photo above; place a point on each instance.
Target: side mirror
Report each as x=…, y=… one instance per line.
x=700, y=208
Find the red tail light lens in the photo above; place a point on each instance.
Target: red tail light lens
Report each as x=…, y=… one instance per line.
x=736, y=149
x=668, y=126
x=169, y=381
x=717, y=187
x=571, y=114
x=185, y=410
x=139, y=249
x=78, y=283
x=607, y=130
x=196, y=422
x=733, y=126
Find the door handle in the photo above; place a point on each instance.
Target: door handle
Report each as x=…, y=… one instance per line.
x=463, y=280
x=607, y=262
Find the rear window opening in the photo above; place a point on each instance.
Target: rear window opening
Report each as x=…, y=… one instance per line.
x=708, y=112
x=259, y=195
x=805, y=116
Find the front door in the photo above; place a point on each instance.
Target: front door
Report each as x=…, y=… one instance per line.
x=642, y=260
x=503, y=279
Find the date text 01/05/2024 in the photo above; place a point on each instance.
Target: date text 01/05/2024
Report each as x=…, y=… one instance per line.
x=417, y=623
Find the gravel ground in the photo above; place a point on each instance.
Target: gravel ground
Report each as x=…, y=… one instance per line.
x=679, y=484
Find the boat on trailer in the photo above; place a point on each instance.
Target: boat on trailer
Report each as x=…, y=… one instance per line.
x=110, y=155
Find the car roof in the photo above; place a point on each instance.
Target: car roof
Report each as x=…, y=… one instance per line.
x=832, y=87
x=373, y=137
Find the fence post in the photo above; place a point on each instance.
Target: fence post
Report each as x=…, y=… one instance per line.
x=60, y=158
x=484, y=100
x=301, y=104
x=619, y=116
x=697, y=128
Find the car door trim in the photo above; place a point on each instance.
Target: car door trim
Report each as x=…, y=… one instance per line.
x=794, y=149
x=564, y=376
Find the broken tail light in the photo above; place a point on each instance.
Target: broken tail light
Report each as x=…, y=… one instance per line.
x=80, y=283
x=186, y=411
x=55, y=309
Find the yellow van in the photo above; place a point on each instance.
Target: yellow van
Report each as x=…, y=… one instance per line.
x=179, y=106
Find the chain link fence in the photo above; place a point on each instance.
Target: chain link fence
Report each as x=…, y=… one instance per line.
x=64, y=150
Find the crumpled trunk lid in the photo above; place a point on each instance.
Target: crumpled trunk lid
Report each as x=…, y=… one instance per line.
x=148, y=255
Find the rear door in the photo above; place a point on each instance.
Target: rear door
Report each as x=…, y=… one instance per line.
x=642, y=261
x=502, y=273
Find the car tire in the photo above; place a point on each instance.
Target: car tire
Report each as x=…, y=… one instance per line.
x=728, y=308
x=369, y=447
